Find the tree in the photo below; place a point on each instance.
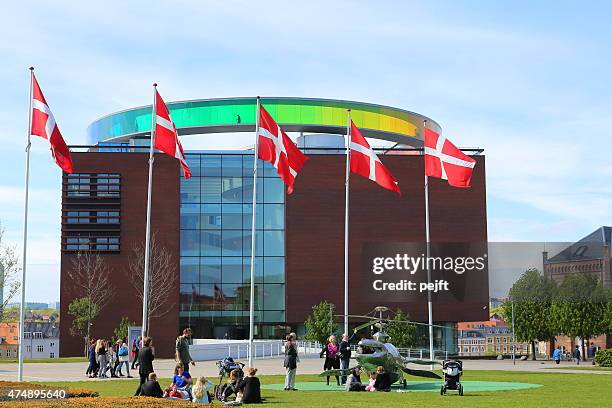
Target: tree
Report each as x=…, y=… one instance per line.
x=320, y=324
x=401, y=332
x=580, y=308
x=121, y=332
x=532, y=295
x=90, y=278
x=162, y=276
x=9, y=281
x=83, y=311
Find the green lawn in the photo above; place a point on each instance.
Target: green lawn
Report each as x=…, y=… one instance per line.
x=558, y=390
x=46, y=360
x=581, y=367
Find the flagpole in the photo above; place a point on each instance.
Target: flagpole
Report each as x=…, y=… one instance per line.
x=346, y=220
x=428, y=251
x=25, y=235
x=145, y=293
x=253, y=240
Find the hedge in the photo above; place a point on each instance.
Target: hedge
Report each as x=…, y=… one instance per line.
x=102, y=402
x=603, y=358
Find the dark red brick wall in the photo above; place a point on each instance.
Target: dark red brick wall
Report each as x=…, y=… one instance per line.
x=315, y=231
x=133, y=168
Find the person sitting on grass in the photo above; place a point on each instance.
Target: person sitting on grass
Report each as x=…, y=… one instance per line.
x=231, y=386
x=151, y=388
x=199, y=392
x=250, y=387
x=383, y=381
x=174, y=392
x=371, y=382
x=353, y=382
x=181, y=378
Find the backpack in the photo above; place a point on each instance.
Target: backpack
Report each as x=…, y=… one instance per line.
x=123, y=351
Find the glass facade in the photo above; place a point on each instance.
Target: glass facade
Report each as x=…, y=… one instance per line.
x=215, y=248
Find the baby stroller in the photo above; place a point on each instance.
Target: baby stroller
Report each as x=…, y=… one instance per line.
x=452, y=369
x=226, y=366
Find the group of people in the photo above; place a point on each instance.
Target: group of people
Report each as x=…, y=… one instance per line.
x=106, y=359
x=379, y=381
x=559, y=354
x=338, y=355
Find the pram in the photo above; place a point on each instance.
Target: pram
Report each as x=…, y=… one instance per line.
x=452, y=369
x=226, y=366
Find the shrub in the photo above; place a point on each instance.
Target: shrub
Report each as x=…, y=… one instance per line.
x=603, y=358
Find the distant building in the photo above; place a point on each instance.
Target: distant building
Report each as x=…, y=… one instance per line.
x=492, y=337
x=41, y=340
x=495, y=302
x=9, y=340
x=590, y=255
x=29, y=305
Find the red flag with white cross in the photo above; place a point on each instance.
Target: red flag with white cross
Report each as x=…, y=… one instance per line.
x=367, y=164
x=274, y=146
x=43, y=125
x=166, y=136
x=444, y=160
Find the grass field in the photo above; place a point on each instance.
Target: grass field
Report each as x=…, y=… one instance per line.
x=558, y=390
x=46, y=360
x=585, y=367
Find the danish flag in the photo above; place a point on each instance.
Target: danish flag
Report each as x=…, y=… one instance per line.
x=43, y=125
x=166, y=136
x=367, y=164
x=444, y=160
x=276, y=147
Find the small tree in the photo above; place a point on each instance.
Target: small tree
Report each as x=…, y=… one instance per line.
x=532, y=296
x=402, y=333
x=121, y=332
x=580, y=308
x=90, y=279
x=9, y=281
x=320, y=324
x=162, y=276
x=84, y=312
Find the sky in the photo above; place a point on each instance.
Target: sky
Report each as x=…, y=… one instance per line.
x=527, y=81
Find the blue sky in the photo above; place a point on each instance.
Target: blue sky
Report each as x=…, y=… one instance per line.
x=528, y=83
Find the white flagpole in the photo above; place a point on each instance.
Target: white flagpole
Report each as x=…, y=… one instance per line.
x=346, y=220
x=253, y=240
x=428, y=243
x=25, y=236
x=145, y=293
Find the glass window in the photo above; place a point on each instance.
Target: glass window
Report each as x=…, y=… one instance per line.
x=190, y=243
x=211, y=243
x=274, y=270
x=232, y=243
x=211, y=189
x=231, y=297
x=193, y=162
x=232, y=165
x=210, y=270
x=274, y=295
x=231, y=189
x=274, y=316
x=189, y=269
x=246, y=243
x=274, y=190
x=247, y=189
x=274, y=244
x=190, y=190
x=247, y=167
x=259, y=296
x=274, y=216
x=247, y=216
x=190, y=216
x=211, y=165
x=267, y=169
x=232, y=269
x=211, y=216
x=246, y=270
x=232, y=216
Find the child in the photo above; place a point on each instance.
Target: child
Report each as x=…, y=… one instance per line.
x=200, y=390
x=370, y=386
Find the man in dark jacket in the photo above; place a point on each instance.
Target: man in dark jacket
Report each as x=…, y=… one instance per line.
x=145, y=362
x=290, y=363
x=182, y=349
x=151, y=388
x=345, y=353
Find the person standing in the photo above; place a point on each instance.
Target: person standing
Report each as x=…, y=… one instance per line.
x=290, y=363
x=182, y=349
x=345, y=353
x=124, y=359
x=101, y=355
x=91, y=355
x=557, y=354
x=332, y=357
x=577, y=354
x=136, y=350
x=145, y=362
